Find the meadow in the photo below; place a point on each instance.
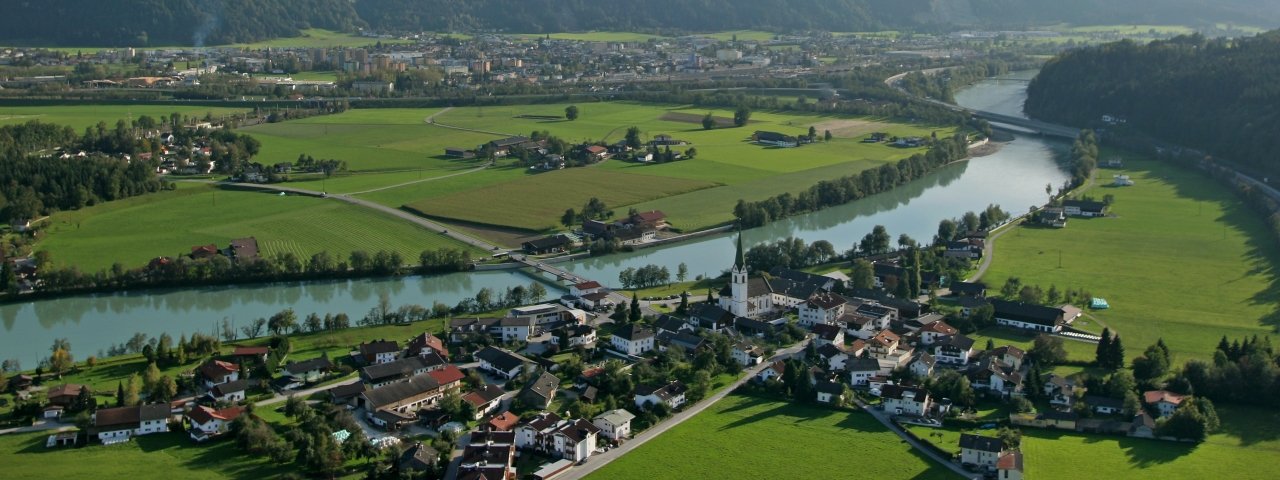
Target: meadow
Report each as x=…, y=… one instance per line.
x=752, y=438
x=80, y=117
x=1248, y=441
x=158, y=456
x=135, y=230
x=319, y=38
x=1181, y=259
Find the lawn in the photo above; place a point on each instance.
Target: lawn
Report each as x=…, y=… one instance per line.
x=158, y=456
x=320, y=38
x=1182, y=259
x=135, y=230
x=746, y=438
x=80, y=117
x=1250, y=436
x=536, y=202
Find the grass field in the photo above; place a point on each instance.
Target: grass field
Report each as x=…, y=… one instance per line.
x=135, y=230
x=1250, y=437
x=320, y=38
x=750, y=438
x=1183, y=259
x=80, y=117
x=158, y=456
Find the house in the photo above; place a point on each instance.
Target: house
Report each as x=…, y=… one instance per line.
x=614, y=424
x=747, y=354
x=1060, y=391
x=462, y=328
x=903, y=400
x=774, y=370
x=953, y=350
x=244, y=250
x=935, y=332
x=833, y=356
x=217, y=372
x=672, y=394
x=484, y=400
x=1142, y=426
x=503, y=146
x=752, y=328
x=883, y=344
x=230, y=392
x=346, y=394
x=20, y=382
x=775, y=139
x=489, y=456
x=458, y=152
x=990, y=375
x=501, y=362
x=1083, y=208
x=830, y=392
x=1028, y=316
x=1009, y=466
x=503, y=422
x=1163, y=402
x=201, y=252
x=585, y=288
x=418, y=458
x=922, y=365
x=426, y=344
x=822, y=308
x=633, y=339
x=1055, y=217
x=515, y=329
x=688, y=342
x=379, y=351
x=967, y=289
x=254, y=354
x=207, y=423
x=979, y=450
x=540, y=391
x=576, y=336
x=650, y=220
x=308, y=371
x=1008, y=355
x=1104, y=405
x=572, y=440
x=545, y=245
x=826, y=333
x=596, y=152
x=400, y=370
x=397, y=404
x=64, y=395
x=116, y=425
x=711, y=317
x=962, y=249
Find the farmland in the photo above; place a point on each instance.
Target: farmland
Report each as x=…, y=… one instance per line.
x=80, y=117
x=1250, y=436
x=159, y=456
x=169, y=223
x=1182, y=259
x=748, y=438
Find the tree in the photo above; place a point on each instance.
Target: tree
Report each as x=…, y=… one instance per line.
x=826, y=136
x=150, y=378
x=166, y=389
x=946, y=232
x=683, y=309
x=1115, y=354
x=1102, y=354
x=876, y=242
x=1153, y=364
x=1048, y=350
x=570, y=218
x=708, y=122
x=634, y=316
x=571, y=112
x=682, y=272
x=119, y=394
x=60, y=362
x=813, y=132
x=632, y=139
x=282, y=322
x=131, y=387
x=741, y=116
x=863, y=275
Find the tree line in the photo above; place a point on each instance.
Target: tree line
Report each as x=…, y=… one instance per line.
x=828, y=193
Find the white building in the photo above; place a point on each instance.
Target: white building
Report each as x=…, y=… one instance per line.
x=633, y=339
x=208, y=423
x=671, y=394
x=979, y=450
x=116, y=425
x=615, y=424
x=900, y=400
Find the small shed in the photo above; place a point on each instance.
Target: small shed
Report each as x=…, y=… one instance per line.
x=1099, y=304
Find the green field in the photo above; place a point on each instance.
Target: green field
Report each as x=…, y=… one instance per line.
x=1250, y=437
x=750, y=438
x=135, y=230
x=158, y=456
x=320, y=38
x=80, y=117
x=1183, y=259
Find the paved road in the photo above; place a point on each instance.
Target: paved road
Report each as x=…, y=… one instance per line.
x=422, y=222
x=303, y=393
x=888, y=423
x=432, y=121
x=40, y=427
x=602, y=459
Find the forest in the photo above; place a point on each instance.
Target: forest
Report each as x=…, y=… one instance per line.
x=1214, y=95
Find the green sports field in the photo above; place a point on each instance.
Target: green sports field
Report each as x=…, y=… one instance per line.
x=1182, y=259
x=751, y=438
x=80, y=117
x=135, y=230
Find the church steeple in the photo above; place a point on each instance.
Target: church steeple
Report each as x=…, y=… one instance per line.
x=739, y=260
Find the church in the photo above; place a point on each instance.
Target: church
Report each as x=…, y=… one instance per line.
x=765, y=296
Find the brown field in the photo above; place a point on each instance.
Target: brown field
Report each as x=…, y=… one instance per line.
x=849, y=127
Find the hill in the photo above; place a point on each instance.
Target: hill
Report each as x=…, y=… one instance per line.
x=1214, y=95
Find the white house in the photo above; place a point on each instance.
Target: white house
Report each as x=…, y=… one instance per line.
x=774, y=370
x=1009, y=466
x=1027, y=316
x=516, y=329
x=115, y=425
x=979, y=450
x=217, y=372
x=953, y=350
x=208, y=423
x=861, y=370
x=900, y=400
x=822, y=308
x=933, y=331
x=747, y=354
x=502, y=363
x=614, y=424
x=230, y=392
x=829, y=392
x=671, y=394
x=573, y=440
x=1165, y=402
x=922, y=365
x=585, y=288
x=380, y=351
x=633, y=339
x=485, y=400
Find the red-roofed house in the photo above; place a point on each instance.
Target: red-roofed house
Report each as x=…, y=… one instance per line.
x=426, y=344
x=449, y=377
x=772, y=371
x=485, y=400
x=1165, y=402
x=257, y=353
x=218, y=372
x=208, y=423
x=503, y=422
x=585, y=288
x=597, y=152
x=1009, y=466
x=204, y=251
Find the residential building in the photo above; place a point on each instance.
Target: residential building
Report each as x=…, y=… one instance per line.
x=379, y=351
x=400, y=370
x=484, y=400
x=230, y=392
x=922, y=365
x=1009, y=466
x=516, y=329
x=614, y=424
x=1163, y=402
x=396, y=404
x=217, y=372
x=829, y=392
x=115, y=425
x=426, y=344
x=1084, y=208
x=903, y=400
x=1104, y=405
x=308, y=371
x=540, y=391
x=633, y=339
x=573, y=440
x=418, y=458
x=747, y=354
x=980, y=451
x=489, y=456
x=826, y=333
x=821, y=309
x=1028, y=316
x=207, y=423
x=502, y=363
x=671, y=393
x=861, y=370
x=953, y=350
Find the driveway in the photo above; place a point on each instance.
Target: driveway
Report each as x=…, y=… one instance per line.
x=602, y=459
x=929, y=452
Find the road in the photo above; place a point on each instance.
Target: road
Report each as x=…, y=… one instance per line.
x=304, y=393
x=432, y=121
x=42, y=426
x=401, y=214
x=929, y=452
x=602, y=459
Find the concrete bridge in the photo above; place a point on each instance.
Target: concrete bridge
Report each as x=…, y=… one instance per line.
x=560, y=274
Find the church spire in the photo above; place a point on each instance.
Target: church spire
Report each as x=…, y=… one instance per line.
x=739, y=260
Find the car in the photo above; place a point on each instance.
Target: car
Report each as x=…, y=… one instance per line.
x=988, y=426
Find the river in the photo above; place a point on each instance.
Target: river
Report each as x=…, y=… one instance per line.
x=1014, y=178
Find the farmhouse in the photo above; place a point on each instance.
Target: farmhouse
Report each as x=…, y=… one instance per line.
x=375, y=376
x=502, y=363
x=979, y=450
x=116, y=425
x=207, y=423
x=1028, y=316
x=426, y=344
x=1083, y=208
x=379, y=351
x=398, y=403
x=308, y=371
x=458, y=152
x=775, y=139
x=545, y=245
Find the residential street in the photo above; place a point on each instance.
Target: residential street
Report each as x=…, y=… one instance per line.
x=888, y=423
x=602, y=459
